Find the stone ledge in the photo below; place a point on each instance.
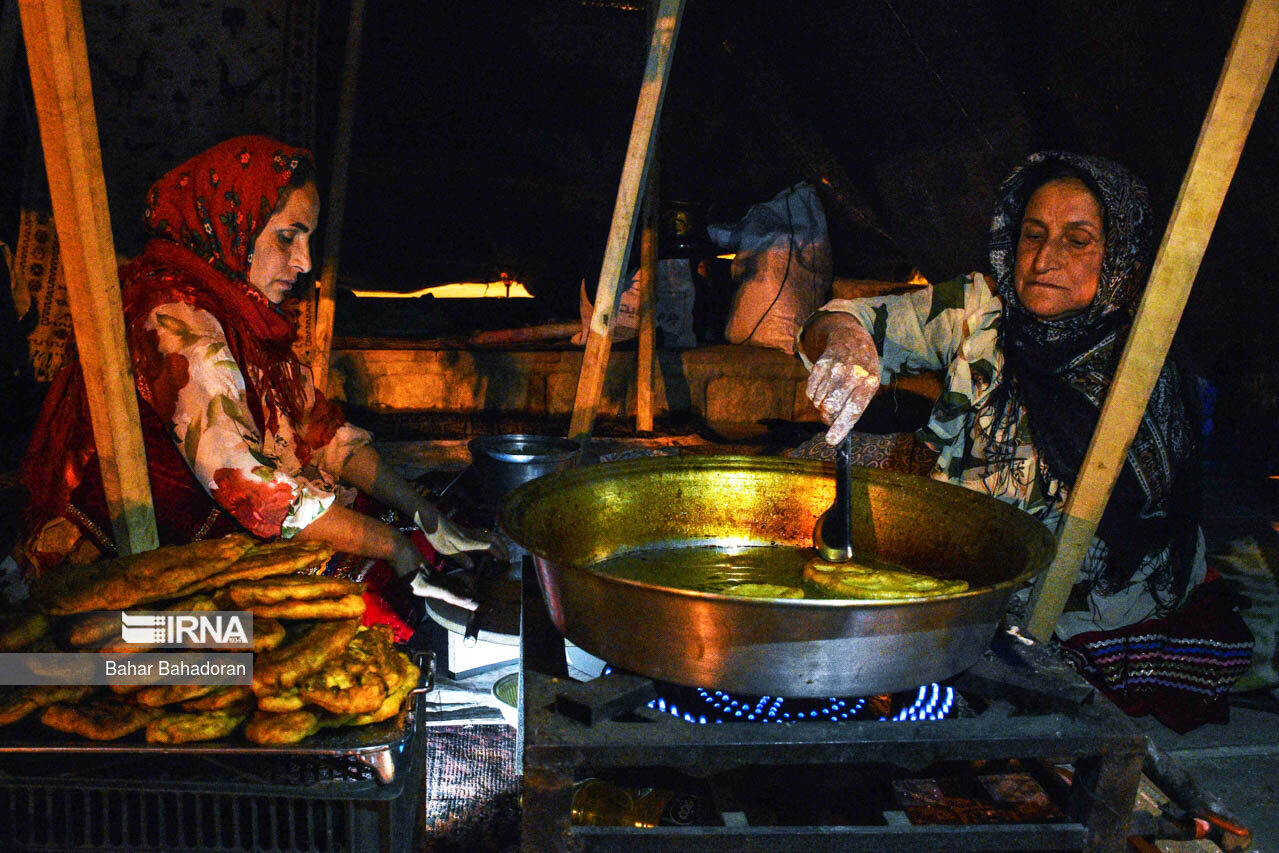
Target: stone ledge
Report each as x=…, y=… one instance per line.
x=727, y=384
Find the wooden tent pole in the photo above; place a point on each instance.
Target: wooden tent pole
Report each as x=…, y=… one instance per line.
x=59, y=64
x=1212, y=165
x=322, y=340
x=647, y=298
x=590, y=382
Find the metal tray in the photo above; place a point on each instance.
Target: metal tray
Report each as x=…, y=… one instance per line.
x=375, y=746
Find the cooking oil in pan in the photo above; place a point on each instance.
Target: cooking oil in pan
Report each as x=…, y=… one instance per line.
x=756, y=571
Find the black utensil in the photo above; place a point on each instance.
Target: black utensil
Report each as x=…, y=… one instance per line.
x=472, y=633
x=833, y=536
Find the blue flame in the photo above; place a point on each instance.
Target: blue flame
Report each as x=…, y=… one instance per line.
x=930, y=702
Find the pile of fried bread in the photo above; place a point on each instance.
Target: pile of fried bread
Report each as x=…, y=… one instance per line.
x=314, y=665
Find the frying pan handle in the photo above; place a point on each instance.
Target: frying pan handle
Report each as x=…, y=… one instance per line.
x=425, y=661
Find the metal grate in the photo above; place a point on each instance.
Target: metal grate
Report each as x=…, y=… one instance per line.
x=106, y=819
x=187, y=803
x=285, y=770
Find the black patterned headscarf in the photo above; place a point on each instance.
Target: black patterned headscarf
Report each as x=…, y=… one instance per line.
x=1061, y=368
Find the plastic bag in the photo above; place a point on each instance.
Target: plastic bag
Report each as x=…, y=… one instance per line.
x=672, y=305
x=782, y=267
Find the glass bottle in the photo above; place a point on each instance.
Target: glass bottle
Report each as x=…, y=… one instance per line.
x=597, y=802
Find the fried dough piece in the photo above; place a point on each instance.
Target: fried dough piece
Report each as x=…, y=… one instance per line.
x=763, y=590
x=183, y=728
x=274, y=590
x=122, y=582
x=268, y=633
x=22, y=629
x=94, y=629
x=23, y=700
x=226, y=697
x=281, y=729
x=285, y=666
x=102, y=631
x=159, y=695
x=91, y=629
x=397, y=669
x=346, y=607
x=850, y=580
x=59, y=669
x=355, y=682
x=391, y=705
x=104, y=720
x=280, y=703
x=266, y=560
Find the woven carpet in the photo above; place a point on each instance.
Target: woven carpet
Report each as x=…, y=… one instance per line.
x=472, y=790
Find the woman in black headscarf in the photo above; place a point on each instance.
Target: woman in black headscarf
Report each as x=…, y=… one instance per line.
x=1028, y=358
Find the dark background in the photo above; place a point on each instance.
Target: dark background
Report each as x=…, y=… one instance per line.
x=490, y=135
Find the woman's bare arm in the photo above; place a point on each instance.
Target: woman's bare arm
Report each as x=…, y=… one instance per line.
x=356, y=533
x=369, y=472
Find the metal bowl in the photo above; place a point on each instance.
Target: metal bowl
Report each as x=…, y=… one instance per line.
x=506, y=690
x=573, y=519
x=501, y=463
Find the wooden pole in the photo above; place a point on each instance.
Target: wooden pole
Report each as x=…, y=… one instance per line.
x=1212, y=165
x=647, y=297
x=59, y=65
x=322, y=342
x=590, y=381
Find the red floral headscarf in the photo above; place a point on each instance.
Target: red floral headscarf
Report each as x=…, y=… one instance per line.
x=206, y=215
x=216, y=203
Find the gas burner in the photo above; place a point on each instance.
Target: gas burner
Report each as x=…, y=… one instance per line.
x=699, y=705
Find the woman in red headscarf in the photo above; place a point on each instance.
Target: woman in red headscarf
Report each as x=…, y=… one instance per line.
x=237, y=436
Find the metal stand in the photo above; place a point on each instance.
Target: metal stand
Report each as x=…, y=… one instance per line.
x=1041, y=711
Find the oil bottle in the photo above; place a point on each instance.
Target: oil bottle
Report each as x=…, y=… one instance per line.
x=598, y=802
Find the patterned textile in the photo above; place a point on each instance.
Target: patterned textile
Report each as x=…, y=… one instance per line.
x=223, y=398
x=898, y=451
x=1178, y=669
x=40, y=294
x=1020, y=402
x=173, y=78
x=216, y=203
x=1126, y=211
x=472, y=790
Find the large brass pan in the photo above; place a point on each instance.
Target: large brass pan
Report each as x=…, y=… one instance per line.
x=791, y=647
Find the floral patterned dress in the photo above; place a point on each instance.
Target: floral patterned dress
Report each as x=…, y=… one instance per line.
x=254, y=474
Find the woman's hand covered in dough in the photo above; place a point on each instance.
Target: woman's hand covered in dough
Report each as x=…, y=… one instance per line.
x=445, y=536
x=844, y=378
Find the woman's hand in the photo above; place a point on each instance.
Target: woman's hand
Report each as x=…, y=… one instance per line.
x=406, y=560
x=845, y=376
x=366, y=470
x=445, y=536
